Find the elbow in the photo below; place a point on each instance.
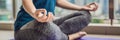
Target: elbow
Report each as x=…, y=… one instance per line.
x=59, y=2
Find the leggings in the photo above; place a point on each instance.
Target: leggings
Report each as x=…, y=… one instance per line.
x=56, y=30
x=74, y=22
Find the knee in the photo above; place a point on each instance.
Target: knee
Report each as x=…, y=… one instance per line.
x=82, y=13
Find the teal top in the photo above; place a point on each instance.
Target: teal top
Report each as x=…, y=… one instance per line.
x=23, y=17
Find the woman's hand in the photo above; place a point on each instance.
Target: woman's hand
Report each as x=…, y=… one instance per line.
x=91, y=7
x=40, y=15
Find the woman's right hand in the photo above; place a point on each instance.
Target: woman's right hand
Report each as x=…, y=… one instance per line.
x=40, y=15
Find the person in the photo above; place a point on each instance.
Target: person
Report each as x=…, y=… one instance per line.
x=33, y=9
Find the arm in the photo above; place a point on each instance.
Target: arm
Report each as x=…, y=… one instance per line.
x=67, y=5
x=36, y=13
x=29, y=6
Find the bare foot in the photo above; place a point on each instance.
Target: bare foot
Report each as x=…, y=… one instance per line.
x=77, y=35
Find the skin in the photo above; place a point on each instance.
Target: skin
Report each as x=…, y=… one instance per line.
x=36, y=13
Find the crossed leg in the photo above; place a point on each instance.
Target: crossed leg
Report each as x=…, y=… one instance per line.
x=73, y=23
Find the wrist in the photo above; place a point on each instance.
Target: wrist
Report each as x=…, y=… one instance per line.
x=81, y=8
x=33, y=11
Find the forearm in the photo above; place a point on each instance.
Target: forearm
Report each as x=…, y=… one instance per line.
x=28, y=6
x=67, y=5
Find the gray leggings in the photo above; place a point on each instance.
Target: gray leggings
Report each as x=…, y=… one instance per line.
x=74, y=22
x=56, y=30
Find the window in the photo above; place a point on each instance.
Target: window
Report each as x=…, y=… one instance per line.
x=6, y=13
x=117, y=11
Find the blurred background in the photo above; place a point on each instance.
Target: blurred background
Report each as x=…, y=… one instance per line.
x=103, y=21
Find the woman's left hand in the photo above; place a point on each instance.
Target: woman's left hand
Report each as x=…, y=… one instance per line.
x=91, y=7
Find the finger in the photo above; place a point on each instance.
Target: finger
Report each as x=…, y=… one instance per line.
x=90, y=9
x=37, y=12
x=43, y=13
x=49, y=17
x=40, y=14
x=90, y=4
x=96, y=5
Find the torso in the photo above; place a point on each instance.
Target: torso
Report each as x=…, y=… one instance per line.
x=23, y=17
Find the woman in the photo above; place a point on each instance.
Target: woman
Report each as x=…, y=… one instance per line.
x=31, y=8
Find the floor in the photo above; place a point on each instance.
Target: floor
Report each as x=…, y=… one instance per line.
x=6, y=35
